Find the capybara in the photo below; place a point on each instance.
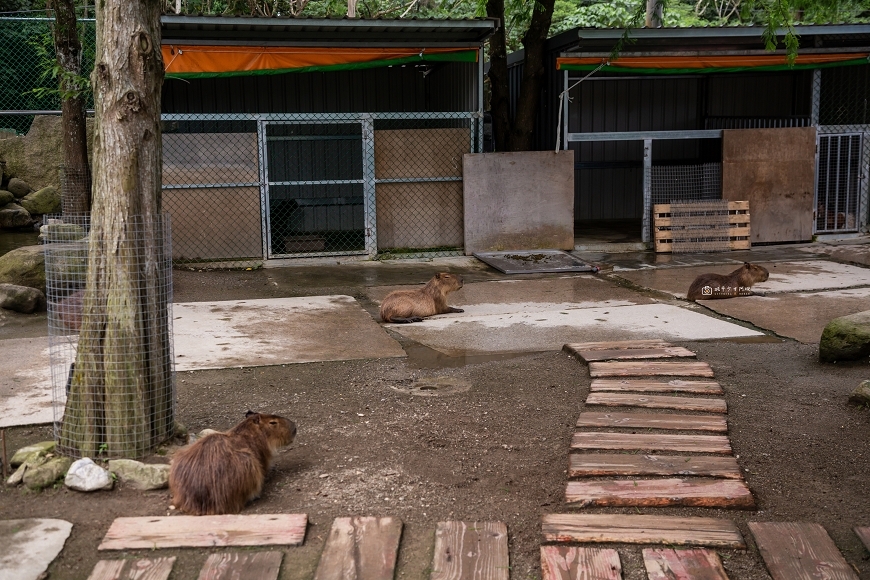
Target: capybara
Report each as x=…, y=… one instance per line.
x=221, y=472
x=737, y=283
x=405, y=306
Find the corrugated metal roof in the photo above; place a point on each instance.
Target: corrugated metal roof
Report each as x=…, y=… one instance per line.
x=326, y=31
x=720, y=31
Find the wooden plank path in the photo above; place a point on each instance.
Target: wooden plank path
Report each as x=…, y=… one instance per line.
x=800, y=551
x=205, y=531
x=470, y=551
x=573, y=563
x=361, y=548
x=572, y=347
x=142, y=569
x=650, y=368
x=641, y=529
x=648, y=386
x=693, y=564
x=657, y=402
x=601, y=464
x=652, y=442
x=671, y=421
x=698, y=492
x=631, y=354
x=242, y=566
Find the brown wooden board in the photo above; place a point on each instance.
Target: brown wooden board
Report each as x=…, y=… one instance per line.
x=205, y=531
x=800, y=551
x=652, y=441
x=574, y=347
x=642, y=386
x=575, y=563
x=634, y=353
x=694, y=564
x=603, y=464
x=144, y=569
x=242, y=566
x=470, y=550
x=716, y=423
x=361, y=548
x=701, y=492
x=650, y=368
x=641, y=529
x=864, y=536
x=657, y=402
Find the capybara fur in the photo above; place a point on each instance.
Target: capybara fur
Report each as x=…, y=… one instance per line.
x=737, y=283
x=414, y=305
x=221, y=472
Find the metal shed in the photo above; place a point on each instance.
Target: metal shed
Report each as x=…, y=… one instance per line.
x=289, y=138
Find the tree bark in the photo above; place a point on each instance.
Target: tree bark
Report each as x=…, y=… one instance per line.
x=77, y=175
x=120, y=398
x=499, y=100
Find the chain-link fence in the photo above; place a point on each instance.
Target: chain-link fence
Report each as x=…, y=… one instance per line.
x=99, y=408
x=26, y=59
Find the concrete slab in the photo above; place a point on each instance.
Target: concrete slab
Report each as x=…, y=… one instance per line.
x=25, y=382
x=233, y=333
x=524, y=327
x=798, y=276
x=808, y=312
x=27, y=547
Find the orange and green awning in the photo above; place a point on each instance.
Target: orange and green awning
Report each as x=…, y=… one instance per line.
x=710, y=63
x=192, y=61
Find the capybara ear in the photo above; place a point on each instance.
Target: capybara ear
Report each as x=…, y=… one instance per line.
x=249, y=413
x=746, y=264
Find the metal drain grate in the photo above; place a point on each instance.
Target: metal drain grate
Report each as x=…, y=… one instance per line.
x=534, y=261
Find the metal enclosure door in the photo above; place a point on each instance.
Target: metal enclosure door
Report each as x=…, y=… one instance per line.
x=315, y=187
x=838, y=183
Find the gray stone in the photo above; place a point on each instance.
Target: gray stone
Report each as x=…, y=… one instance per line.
x=47, y=473
x=19, y=187
x=846, y=338
x=85, y=475
x=6, y=197
x=25, y=453
x=46, y=200
x=13, y=216
x=144, y=476
x=21, y=298
x=29, y=546
x=56, y=231
x=18, y=476
x=861, y=394
x=24, y=266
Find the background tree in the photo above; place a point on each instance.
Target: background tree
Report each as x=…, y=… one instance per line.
x=118, y=394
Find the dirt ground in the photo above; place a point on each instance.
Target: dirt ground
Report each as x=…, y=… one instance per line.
x=429, y=438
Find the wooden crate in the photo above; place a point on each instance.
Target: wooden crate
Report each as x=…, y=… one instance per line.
x=738, y=226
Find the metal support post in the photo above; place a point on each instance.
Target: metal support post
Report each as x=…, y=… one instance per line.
x=647, y=191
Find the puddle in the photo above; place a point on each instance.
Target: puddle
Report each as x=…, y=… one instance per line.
x=423, y=357
x=752, y=339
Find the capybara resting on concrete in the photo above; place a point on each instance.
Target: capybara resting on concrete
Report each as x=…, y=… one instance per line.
x=737, y=283
x=414, y=305
x=221, y=472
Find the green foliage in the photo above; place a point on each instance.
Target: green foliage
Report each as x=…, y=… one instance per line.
x=66, y=85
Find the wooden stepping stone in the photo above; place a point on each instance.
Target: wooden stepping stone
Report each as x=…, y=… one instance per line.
x=242, y=566
x=470, y=550
x=644, y=386
x=652, y=441
x=205, y=531
x=719, y=493
x=657, y=402
x=144, y=569
x=695, y=564
x=362, y=548
x=641, y=529
x=603, y=464
x=800, y=551
x=864, y=536
x=574, y=563
x=647, y=368
x=626, y=353
x=672, y=421
x=617, y=344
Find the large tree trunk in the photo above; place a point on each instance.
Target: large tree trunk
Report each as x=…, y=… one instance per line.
x=77, y=175
x=120, y=397
x=499, y=96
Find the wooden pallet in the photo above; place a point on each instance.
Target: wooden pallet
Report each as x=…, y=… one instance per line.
x=653, y=442
x=604, y=464
x=694, y=564
x=670, y=421
x=700, y=492
x=574, y=562
x=361, y=548
x=738, y=229
x=242, y=566
x=641, y=529
x=800, y=551
x=657, y=402
x=470, y=551
x=647, y=386
x=142, y=569
x=646, y=368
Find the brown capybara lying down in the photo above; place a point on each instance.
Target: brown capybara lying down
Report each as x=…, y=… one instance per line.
x=405, y=306
x=737, y=283
x=221, y=472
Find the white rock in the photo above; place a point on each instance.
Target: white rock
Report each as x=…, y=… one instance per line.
x=85, y=475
